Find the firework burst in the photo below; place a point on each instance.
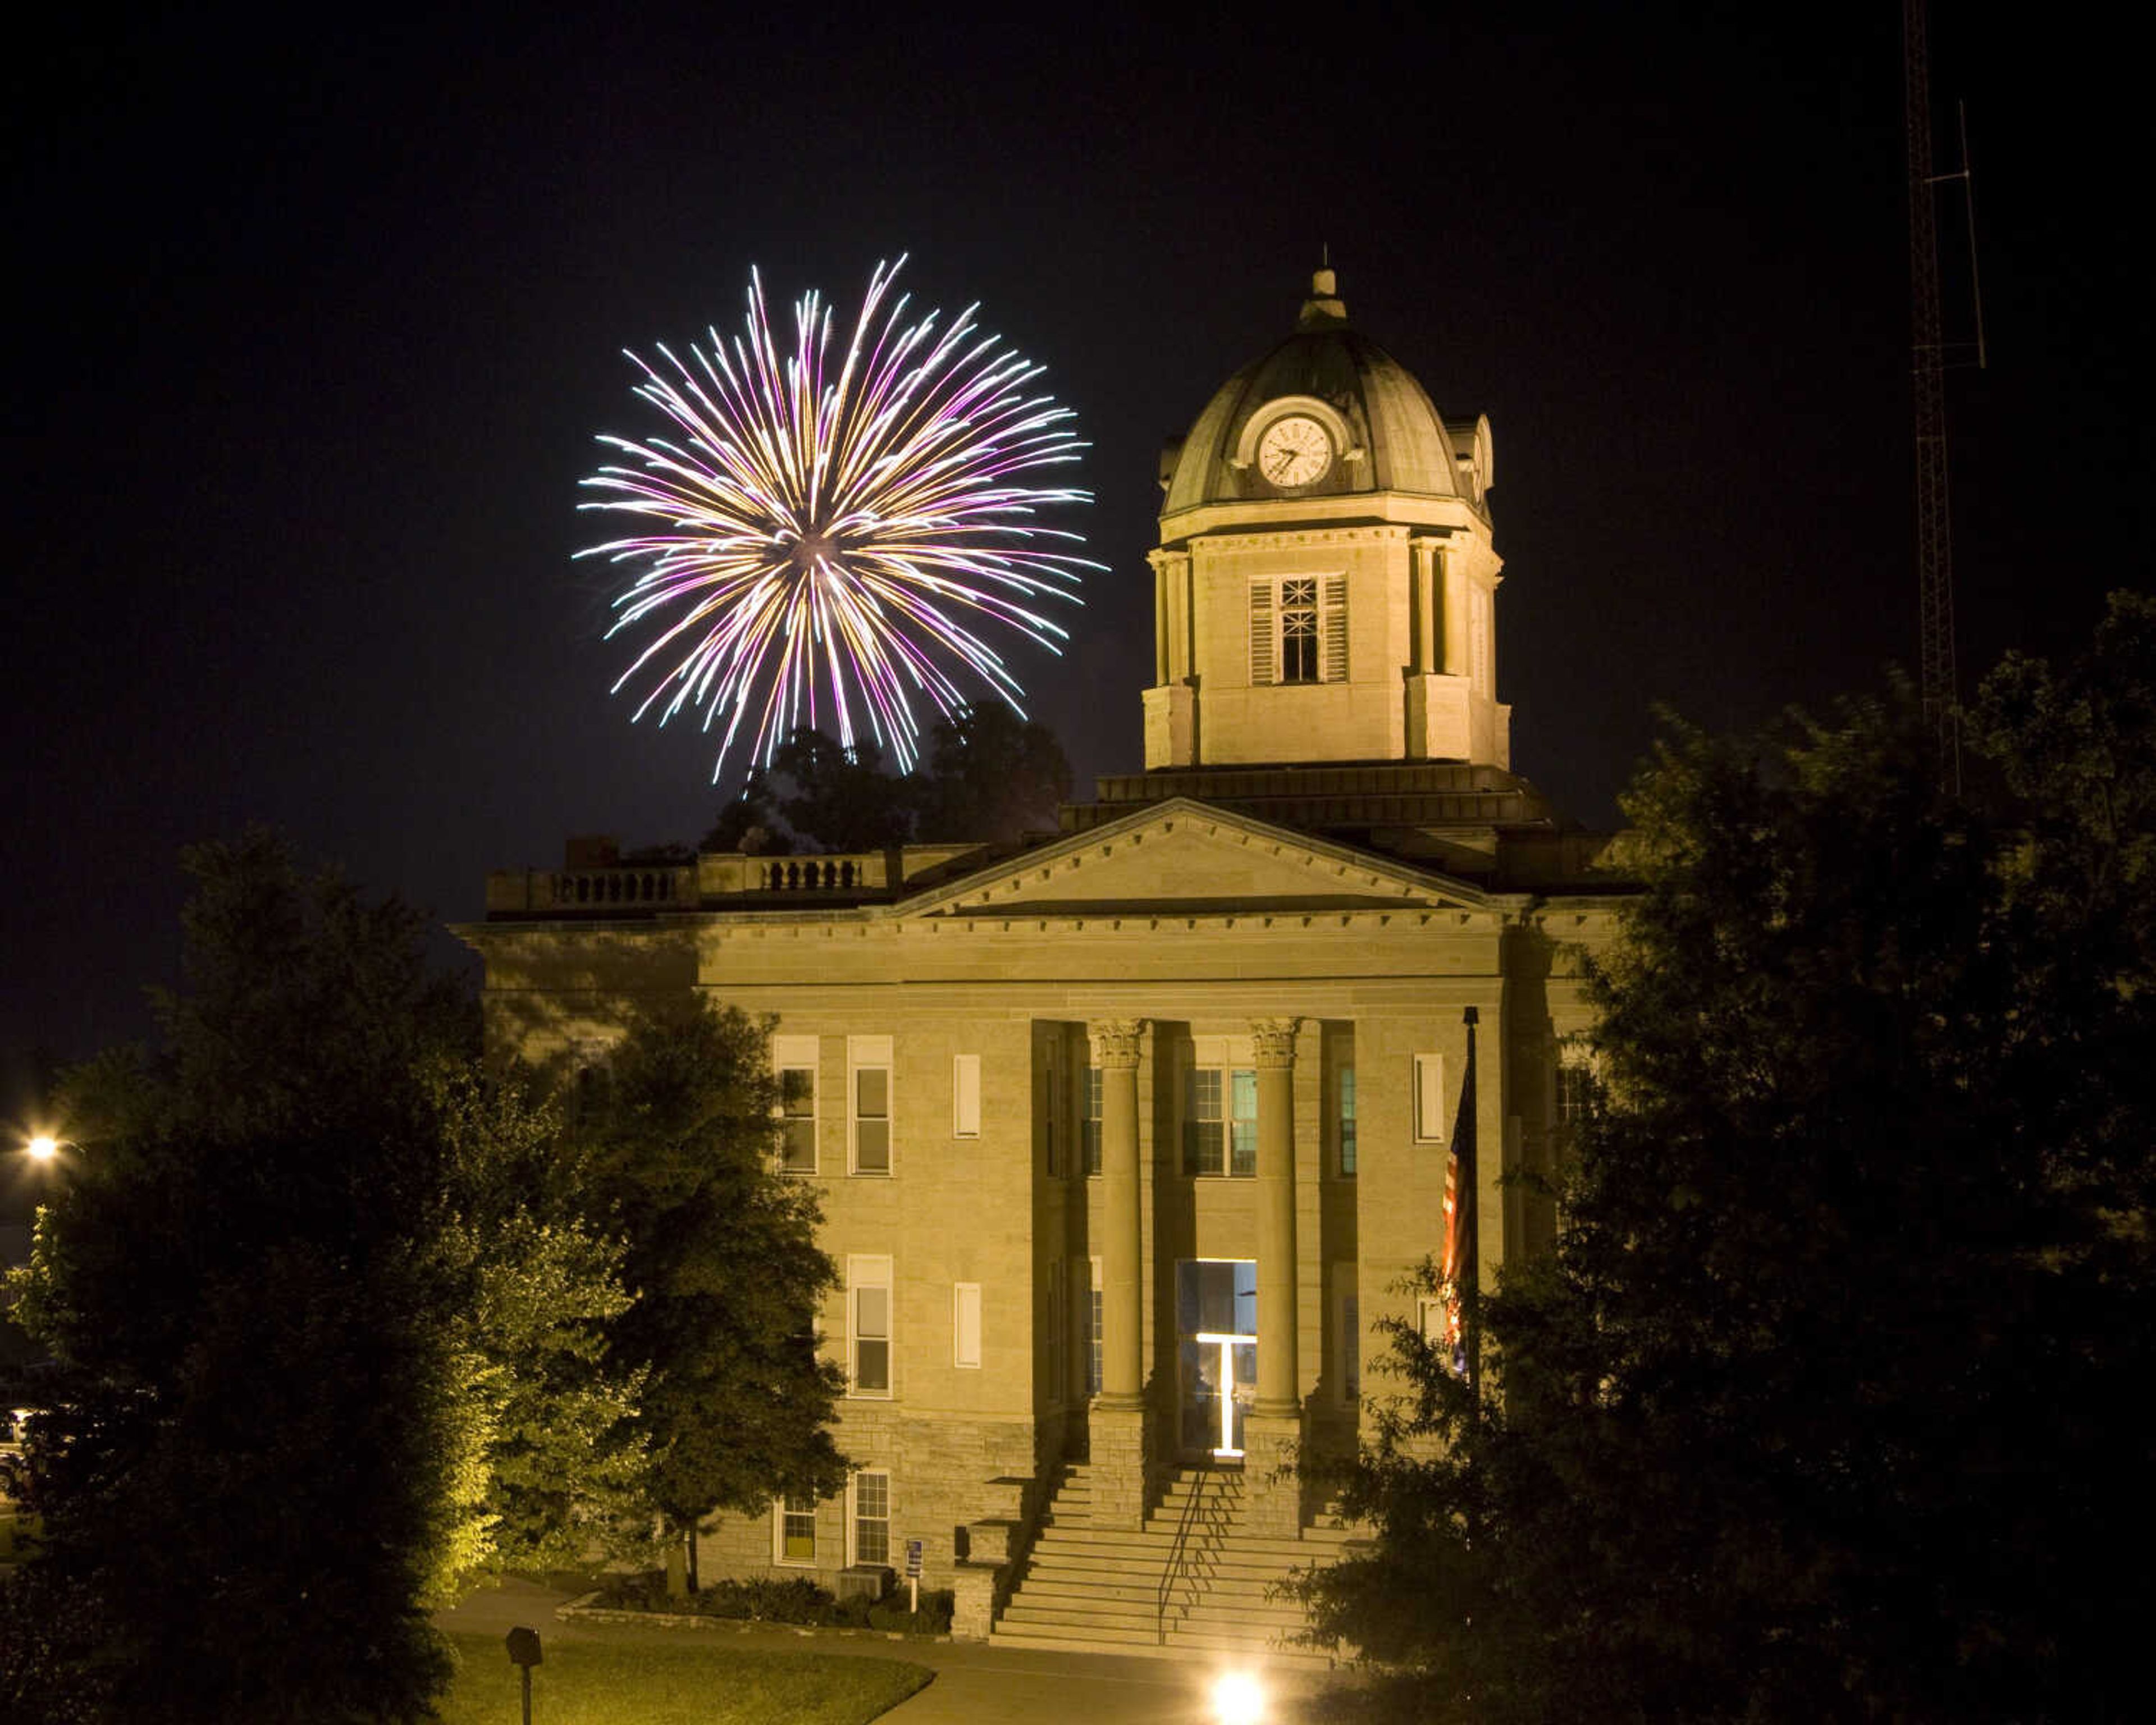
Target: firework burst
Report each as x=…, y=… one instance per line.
x=826, y=538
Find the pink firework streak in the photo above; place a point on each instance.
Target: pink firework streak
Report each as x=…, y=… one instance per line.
x=822, y=546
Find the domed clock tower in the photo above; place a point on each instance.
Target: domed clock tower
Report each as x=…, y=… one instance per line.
x=1324, y=586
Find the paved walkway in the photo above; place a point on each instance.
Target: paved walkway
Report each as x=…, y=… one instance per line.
x=975, y=1684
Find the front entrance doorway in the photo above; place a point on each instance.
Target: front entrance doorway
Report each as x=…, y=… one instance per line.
x=1216, y=1323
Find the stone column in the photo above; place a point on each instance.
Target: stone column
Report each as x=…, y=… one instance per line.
x=1117, y=1428
x=1274, y=1428
x=1278, y=1394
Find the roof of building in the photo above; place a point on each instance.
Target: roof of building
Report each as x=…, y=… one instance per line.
x=1397, y=441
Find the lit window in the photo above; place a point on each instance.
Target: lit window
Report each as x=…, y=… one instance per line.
x=796, y=1531
x=871, y=1518
x=1346, y=1122
x=1243, y=1125
x=868, y=1324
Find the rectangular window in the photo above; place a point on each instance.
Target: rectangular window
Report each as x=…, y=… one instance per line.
x=871, y=1518
x=966, y=1325
x=1347, y=1333
x=1346, y=1124
x=1299, y=629
x=1203, y=1135
x=1579, y=1087
x=1054, y=1365
x=868, y=1111
x=793, y=1061
x=1092, y=1131
x=1093, y=1365
x=797, y=1532
x=965, y=1097
x=868, y=1325
x=1243, y=1125
x=1429, y=1098
x=1051, y=1103
x=1220, y=1121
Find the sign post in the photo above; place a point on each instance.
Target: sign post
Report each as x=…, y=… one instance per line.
x=912, y=1579
x=524, y=1654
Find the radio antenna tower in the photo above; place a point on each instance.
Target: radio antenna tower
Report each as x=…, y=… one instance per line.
x=1935, y=606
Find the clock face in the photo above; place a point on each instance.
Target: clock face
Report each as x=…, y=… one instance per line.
x=1295, y=450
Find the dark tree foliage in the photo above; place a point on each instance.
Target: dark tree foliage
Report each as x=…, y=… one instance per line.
x=750, y=822
x=721, y=1257
x=841, y=797
x=1827, y=1404
x=990, y=775
x=243, y=1466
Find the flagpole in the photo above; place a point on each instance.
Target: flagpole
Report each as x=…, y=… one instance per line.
x=1470, y=1200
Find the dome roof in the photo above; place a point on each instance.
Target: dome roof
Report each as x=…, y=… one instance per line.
x=1394, y=440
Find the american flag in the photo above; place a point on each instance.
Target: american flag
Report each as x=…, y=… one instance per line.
x=1455, y=1241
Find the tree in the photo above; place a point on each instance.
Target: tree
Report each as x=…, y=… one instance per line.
x=841, y=797
x=529, y=1287
x=721, y=1257
x=250, y=1463
x=327, y=1332
x=990, y=774
x=750, y=821
x=1824, y=1405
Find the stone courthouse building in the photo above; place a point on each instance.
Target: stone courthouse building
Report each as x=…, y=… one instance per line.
x=1126, y=1138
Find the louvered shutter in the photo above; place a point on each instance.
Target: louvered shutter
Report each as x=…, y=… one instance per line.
x=1261, y=632
x=1333, y=627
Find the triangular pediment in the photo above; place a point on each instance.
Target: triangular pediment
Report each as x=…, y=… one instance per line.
x=1193, y=859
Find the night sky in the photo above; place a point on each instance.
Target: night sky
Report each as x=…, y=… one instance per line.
x=314, y=332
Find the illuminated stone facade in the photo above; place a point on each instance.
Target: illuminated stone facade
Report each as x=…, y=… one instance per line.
x=1127, y=1139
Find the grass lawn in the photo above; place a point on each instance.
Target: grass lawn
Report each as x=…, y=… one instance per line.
x=694, y=1683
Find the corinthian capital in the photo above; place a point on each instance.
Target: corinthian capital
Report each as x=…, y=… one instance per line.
x=1116, y=1040
x=1273, y=1040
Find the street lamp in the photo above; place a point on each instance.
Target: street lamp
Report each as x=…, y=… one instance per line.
x=43, y=1146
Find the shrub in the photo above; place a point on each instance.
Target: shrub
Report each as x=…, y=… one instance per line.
x=932, y=1619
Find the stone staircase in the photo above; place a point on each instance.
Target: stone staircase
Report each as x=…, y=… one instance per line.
x=1191, y=1581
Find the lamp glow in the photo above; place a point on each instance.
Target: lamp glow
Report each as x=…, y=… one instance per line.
x=1239, y=1699
x=44, y=1146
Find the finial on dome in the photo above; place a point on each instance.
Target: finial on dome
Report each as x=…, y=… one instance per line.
x=1324, y=305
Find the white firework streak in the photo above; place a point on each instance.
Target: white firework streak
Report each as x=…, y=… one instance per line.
x=840, y=540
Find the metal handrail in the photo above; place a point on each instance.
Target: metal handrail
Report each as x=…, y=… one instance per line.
x=1175, y=1566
